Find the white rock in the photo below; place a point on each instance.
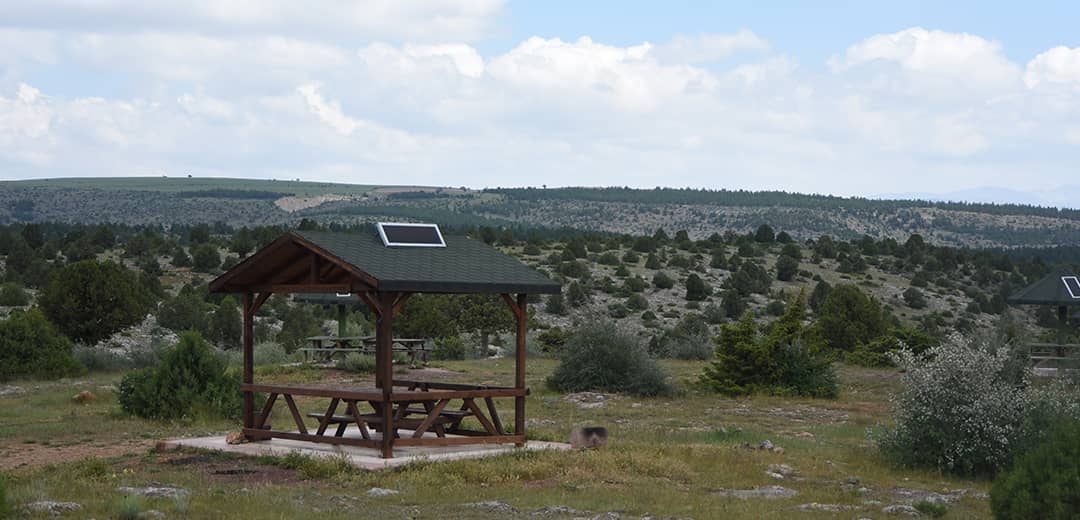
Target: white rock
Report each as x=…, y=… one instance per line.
x=380, y=492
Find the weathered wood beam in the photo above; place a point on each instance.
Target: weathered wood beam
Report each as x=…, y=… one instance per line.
x=400, y=302
x=384, y=335
x=370, y=302
x=309, y=288
x=519, y=365
x=248, y=376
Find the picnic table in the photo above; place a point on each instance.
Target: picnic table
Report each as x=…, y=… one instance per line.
x=423, y=409
x=326, y=347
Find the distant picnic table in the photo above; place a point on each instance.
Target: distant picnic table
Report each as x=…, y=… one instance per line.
x=324, y=348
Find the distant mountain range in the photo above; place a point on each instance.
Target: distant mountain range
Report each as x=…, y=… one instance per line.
x=988, y=217
x=1062, y=197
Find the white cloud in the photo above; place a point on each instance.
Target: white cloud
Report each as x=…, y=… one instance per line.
x=935, y=58
x=464, y=58
x=629, y=76
x=430, y=20
x=204, y=105
x=328, y=112
x=911, y=107
x=709, y=47
x=195, y=57
x=1060, y=65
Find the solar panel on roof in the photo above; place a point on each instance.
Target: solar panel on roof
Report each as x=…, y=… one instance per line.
x=410, y=235
x=1072, y=284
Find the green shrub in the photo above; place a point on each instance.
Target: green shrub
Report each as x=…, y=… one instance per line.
x=803, y=373
x=553, y=339
x=130, y=507
x=967, y=409
x=931, y=509
x=1044, y=482
x=778, y=363
x=448, y=348
x=848, y=318
x=600, y=357
x=637, y=302
x=191, y=378
x=914, y=298
x=357, y=363
x=296, y=326
x=877, y=353
x=90, y=300
x=661, y=280
x=264, y=354
x=5, y=507
x=31, y=346
x=698, y=347
x=786, y=267
x=618, y=311
x=696, y=288
x=13, y=295
x=743, y=362
x=555, y=305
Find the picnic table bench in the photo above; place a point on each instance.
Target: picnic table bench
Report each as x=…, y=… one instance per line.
x=326, y=347
x=419, y=408
x=1042, y=352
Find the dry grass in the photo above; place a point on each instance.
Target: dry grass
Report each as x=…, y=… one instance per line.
x=667, y=457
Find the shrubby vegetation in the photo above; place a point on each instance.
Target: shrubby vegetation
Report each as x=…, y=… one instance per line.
x=357, y=363
x=968, y=408
x=191, y=379
x=31, y=346
x=1043, y=483
x=600, y=357
x=90, y=300
x=778, y=362
x=13, y=295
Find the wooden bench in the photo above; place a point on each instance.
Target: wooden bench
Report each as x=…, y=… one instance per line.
x=328, y=352
x=375, y=420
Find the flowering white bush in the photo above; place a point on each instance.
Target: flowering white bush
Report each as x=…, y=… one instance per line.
x=966, y=407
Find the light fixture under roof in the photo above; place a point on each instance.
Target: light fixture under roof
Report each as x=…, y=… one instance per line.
x=399, y=234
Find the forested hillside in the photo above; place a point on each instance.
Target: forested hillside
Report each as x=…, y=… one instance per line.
x=615, y=210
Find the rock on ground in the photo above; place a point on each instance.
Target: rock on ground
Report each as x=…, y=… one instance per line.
x=494, y=506
x=759, y=492
x=52, y=508
x=588, y=400
x=828, y=508
x=156, y=490
x=900, y=509
x=380, y=492
x=557, y=510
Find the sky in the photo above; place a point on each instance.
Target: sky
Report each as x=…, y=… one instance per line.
x=976, y=100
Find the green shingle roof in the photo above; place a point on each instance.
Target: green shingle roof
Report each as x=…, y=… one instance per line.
x=1059, y=288
x=463, y=266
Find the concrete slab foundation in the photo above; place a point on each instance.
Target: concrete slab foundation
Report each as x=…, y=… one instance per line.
x=365, y=458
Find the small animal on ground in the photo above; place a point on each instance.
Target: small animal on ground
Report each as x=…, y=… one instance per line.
x=588, y=437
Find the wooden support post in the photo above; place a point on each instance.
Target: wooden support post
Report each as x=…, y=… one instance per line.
x=342, y=317
x=249, y=358
x=384, y=370
x=519, y=380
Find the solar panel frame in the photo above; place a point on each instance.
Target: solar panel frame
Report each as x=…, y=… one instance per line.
x=1072, y=284
x=388, y=242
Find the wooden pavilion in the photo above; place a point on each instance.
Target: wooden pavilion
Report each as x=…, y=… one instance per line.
x=384, y=269
x=1061, y=290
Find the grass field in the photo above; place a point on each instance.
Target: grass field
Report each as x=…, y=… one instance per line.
x=668, y=457
x=176, y=184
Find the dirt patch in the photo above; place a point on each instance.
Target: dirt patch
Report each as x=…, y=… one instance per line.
x=31, y=455
x=434, y=373
x=292, y=204
x=241, y=471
